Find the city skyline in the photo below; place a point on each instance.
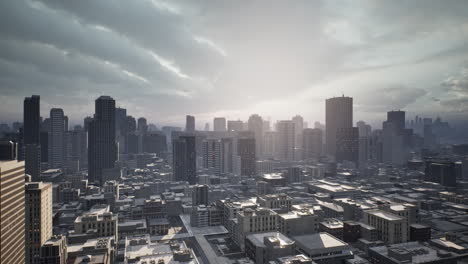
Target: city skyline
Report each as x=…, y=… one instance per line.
x=189, y=54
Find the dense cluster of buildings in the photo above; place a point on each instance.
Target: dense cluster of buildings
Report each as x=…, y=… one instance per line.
x=119, y=190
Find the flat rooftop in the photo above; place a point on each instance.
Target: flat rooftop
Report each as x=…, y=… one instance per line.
x=385, y=215
x=319, y=241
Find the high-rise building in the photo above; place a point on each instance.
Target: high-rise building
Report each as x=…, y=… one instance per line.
x=142, y=125
x=269, y=144
x=184, y=159
x=38, y=197
x=255, y=124
x=312, y=142
x=347, y=145
x=31, y=120
x=12, y=178
x=217, y=155
x=235, y=125
x=397, y=118
x=246, y=151
x=396, y=139
x=219, y=124
x=31, y=136
x=298, y=128
x=190, y=123
x=286, y=140
x=78, y=146
x=57, y=147
x=154, y=142
x=102, y=148
x=338, y=114
x=200, y=195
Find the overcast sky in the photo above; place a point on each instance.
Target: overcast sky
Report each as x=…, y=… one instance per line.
x=166, y=59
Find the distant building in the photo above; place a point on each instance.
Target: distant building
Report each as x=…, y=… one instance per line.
x=184, y=159
x=312, y=143
x=255, y=124
x=286, y=140
x=190, y=123
x=219, y=124
x=102, y=147
x=391, y=227
x=31, y=137
x=57, y=146
x=347, y=144
x=338, y=114
x=235, y=125
x=246, y=150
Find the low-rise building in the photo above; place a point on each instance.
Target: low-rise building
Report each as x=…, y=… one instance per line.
x=265, y=247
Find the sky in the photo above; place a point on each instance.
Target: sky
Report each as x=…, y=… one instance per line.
x=165, y=59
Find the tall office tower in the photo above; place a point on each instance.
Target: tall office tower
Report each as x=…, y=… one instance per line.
x=142, y=125
x=255, y=124
x=200, y=195
x=121, y=128
x=269, y=144
x=184, y=159
x=120, y=120
x=235, y=125
x=298, y=128
x=286, y=140
x=12, y=204
x=154, y=142
x=395, y=139
x=218, y=155
x=78, y=146
x=338, y=114
x=38, y=197
x=441, y=171
x=397, y=118
x=131, y=124
x=211, y=151
x=102, y=149
x=86, y=121
x=219, y=124
x=57, y=147
x=347, y=145
x=31, y=136
x=365, y=130
x=246, y=151
x=312, y=143
x=266, y=126
x=190, y=123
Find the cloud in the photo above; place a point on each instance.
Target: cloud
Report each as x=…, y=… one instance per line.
x=393, y=97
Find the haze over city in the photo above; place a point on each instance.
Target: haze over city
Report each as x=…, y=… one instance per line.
x=222, y=58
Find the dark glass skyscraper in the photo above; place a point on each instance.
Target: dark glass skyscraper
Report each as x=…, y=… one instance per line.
x=190, y=123
x=102, y=148
x=246, y=151
x=184, y=159
x=31, y=137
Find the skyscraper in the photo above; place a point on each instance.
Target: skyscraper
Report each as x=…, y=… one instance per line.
x=246, y=152
x=217, y=155
x=255, y=124
x=38, y=218
x=338, y=114
x=190, y=123
x=312, y=141
x=56, y=141
x=219, y=124
x=102, y=148
x=286, y=140
x=395, y=138
x=298, y=128
x=142, y=125
x=347, y=144
x=184, y=159
x=234, y=125
x=31, y=136
x=397, y=118
x=12, y=204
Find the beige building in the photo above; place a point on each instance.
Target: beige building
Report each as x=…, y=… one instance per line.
x=38, y=218
x=99, y=220
x=391, y=228
x=12, y=211
x=253, y=221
